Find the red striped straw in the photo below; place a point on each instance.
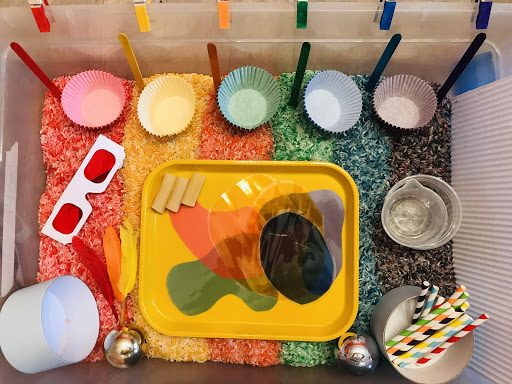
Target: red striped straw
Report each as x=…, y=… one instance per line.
x=448, y=343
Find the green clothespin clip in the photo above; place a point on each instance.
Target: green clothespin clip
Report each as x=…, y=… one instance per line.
x=302, y=14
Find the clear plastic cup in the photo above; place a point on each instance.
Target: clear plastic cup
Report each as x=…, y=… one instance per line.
x=421, y=212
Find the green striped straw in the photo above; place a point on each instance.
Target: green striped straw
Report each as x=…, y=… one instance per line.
x=414, y=327
x=461, y=300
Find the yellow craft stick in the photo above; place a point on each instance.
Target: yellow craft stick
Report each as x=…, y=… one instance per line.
x=141, y=12
x=164, y=193
x=132, y=61
x=193, y=189
x=174, y=202
x=224, y=16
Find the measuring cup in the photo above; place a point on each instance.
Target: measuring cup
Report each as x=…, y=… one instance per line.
x=414, y=216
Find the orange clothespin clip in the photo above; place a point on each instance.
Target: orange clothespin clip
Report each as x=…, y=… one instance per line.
x=141, y=12
x=37, y=8
x=224, y=16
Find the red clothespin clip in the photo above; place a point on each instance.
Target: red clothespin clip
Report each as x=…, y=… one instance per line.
x=224, y=15
x=37, y=7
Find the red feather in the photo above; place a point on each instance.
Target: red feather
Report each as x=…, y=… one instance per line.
x=98, y=270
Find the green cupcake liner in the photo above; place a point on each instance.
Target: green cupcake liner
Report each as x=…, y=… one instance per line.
x=249, y=97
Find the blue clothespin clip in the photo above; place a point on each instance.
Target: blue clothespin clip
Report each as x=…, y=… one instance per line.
x=387, y=14
x=484, y=13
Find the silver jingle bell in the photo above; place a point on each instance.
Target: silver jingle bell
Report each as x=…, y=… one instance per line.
x=123, y=348
x=359, y=354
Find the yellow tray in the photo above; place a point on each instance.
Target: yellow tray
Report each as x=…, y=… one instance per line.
x=162, y=249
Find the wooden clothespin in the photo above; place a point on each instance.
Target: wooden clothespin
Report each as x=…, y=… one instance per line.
x=387, y=14
x=484, y=14
x=224, y=14
x=302, y=14
x=141, y=12
x=37, y=8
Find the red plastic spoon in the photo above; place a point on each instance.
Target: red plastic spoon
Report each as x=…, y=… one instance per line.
x=36, y=69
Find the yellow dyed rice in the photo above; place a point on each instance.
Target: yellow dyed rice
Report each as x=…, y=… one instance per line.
x=143, y=153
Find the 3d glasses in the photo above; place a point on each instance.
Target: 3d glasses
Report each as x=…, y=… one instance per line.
x=93, y=176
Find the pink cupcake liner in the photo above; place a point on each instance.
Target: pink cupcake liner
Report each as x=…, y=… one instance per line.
x=93, y=99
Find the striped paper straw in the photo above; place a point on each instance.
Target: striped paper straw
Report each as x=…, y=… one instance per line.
x=414, y=327
x=428, y=330
x=425, y=286
x=432, y=342
x=453, y=298
x=461, y=300
x=420, y=334
x=430, y=301
x=458, y=312
x=440, y=300
x=448, y=343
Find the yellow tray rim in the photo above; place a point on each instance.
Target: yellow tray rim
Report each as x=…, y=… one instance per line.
x=227, y=335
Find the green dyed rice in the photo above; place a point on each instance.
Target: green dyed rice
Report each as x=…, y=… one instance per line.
x=307, y=354
x=364, y=151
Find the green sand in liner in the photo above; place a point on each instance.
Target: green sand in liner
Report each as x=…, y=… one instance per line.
x=248, y=107
x=194, y=289
x=364, y=151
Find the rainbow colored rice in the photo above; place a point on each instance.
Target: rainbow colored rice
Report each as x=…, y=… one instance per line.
x=365, y=151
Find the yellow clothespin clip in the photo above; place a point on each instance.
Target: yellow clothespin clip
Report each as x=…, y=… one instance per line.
x=224, y=16
x=141, y=12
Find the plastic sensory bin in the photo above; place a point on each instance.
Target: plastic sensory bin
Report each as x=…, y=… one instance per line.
x=343, y=37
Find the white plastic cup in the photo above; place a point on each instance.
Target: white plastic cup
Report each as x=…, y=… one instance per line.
x=49, y=325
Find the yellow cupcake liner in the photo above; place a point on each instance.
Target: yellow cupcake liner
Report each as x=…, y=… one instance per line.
x=166, y=106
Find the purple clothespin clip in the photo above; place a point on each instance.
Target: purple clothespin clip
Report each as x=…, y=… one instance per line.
x=484, y=13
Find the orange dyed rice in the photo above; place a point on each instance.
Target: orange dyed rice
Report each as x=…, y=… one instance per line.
x=222, y=141
x=261, y=353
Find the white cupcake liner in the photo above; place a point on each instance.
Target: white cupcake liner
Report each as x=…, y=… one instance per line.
x=405, y=102
x=81, y=86
x=249, y=78
x=166, y=106
x=332, y=101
